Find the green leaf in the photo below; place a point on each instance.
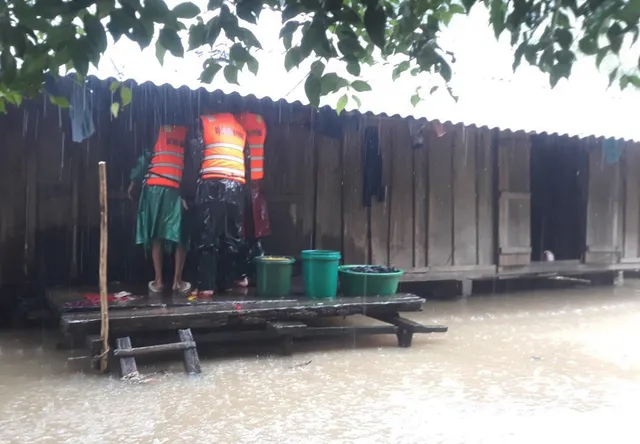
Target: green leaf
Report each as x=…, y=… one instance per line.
x=156, y=10
x=186, y=10
x=293, y=58
x=197, y=36
x=375, y=22
x=415, y=99
x=631, y=78
x=213, y=30
x=3, y=108
x=210, y=70
x=564, y=37
x=286, y=33
x=317, y=68
x=360, y=86
x=445, y=71
x=169, y=39
x=248, y=38
x=60, y=101
x=498, y=12
x=248, y=10
x=602, y=53
x=457, y=9
x=353, y=68
x=212, y=5
x=433, y=89
x=114, y=86
x=588, y=45
x=357, y=100
x=612, y=76
x=239, y=53
x=13, y=97
x=8, y=65
x=292, y=10
x=160, y=52
x=312, y=88
x=231, y=74
x=289, y=28
x=615, y=36
x=125, y=95
x=562, y=20
x=253, y=66
x=468, y=4
x=342, y=102
x=331, y=82
x=115, y=108
x=399, y=69
x=95, y=32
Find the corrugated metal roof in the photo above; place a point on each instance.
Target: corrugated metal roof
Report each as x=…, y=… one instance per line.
x=237, y=101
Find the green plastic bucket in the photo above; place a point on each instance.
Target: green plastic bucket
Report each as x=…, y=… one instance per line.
x=320, y=269
x=354, y=283
x=273, y=275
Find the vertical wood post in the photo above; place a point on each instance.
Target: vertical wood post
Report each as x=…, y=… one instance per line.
x=104, y=302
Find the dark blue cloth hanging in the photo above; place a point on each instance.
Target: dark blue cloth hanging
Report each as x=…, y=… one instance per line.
x=372, y=179
x=81, y=113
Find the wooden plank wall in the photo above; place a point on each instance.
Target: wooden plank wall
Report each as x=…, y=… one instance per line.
x=631, y=232
x=438, y=211
x=437, y=217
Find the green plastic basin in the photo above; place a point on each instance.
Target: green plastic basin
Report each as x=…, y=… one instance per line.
x=354, y=283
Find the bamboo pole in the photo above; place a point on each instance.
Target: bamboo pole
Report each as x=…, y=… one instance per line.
x=104, y=302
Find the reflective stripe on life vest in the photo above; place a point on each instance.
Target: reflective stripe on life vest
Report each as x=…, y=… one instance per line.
x=167, y=160
x=256, y=130
x=223, y=151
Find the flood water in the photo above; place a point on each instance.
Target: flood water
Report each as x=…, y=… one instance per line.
x=528, y=367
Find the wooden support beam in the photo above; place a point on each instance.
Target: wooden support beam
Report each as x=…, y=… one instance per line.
x=152, y=349
x=191, y=359
x=104, y=302
x=128, y=367
x=292, y=328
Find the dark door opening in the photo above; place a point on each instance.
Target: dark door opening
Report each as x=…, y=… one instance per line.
x=559, y=171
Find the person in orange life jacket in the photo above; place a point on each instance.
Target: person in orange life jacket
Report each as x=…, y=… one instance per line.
x=257, y=219
x=219, y=203
x=159, y=222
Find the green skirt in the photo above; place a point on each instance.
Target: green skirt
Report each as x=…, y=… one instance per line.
x=160, y=217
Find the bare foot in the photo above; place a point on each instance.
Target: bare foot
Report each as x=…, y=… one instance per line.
x=242, y=283
x=156, y=287
x=181, y=287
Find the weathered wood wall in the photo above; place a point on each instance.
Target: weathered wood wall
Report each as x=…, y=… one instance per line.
x=439, y=218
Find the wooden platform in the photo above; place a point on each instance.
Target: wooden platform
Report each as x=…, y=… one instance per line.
x=229, y=318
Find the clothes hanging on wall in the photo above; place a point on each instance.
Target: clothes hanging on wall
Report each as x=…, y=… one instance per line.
x=81, y=113
x=612, y=151
x=372, y=180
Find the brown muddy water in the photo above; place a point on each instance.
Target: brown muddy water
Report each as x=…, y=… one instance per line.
x=533, y=367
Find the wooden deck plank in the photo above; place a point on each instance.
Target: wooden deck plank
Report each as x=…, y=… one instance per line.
x=225, y=313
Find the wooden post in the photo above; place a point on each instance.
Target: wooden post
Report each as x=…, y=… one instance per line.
x=104, y=302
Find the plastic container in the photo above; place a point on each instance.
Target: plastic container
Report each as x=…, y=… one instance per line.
x=273, y=275
x=320, y=270
x=354, y=283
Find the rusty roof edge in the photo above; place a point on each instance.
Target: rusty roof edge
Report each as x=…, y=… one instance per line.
x=447, y=123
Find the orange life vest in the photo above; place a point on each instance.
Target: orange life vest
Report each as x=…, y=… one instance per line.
x=167, y=161
x=256, y=130
x=223, y=156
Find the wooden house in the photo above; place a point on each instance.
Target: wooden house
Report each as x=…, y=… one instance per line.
x=457, y=202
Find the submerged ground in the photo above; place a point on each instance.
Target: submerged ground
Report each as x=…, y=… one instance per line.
x=529, y=367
